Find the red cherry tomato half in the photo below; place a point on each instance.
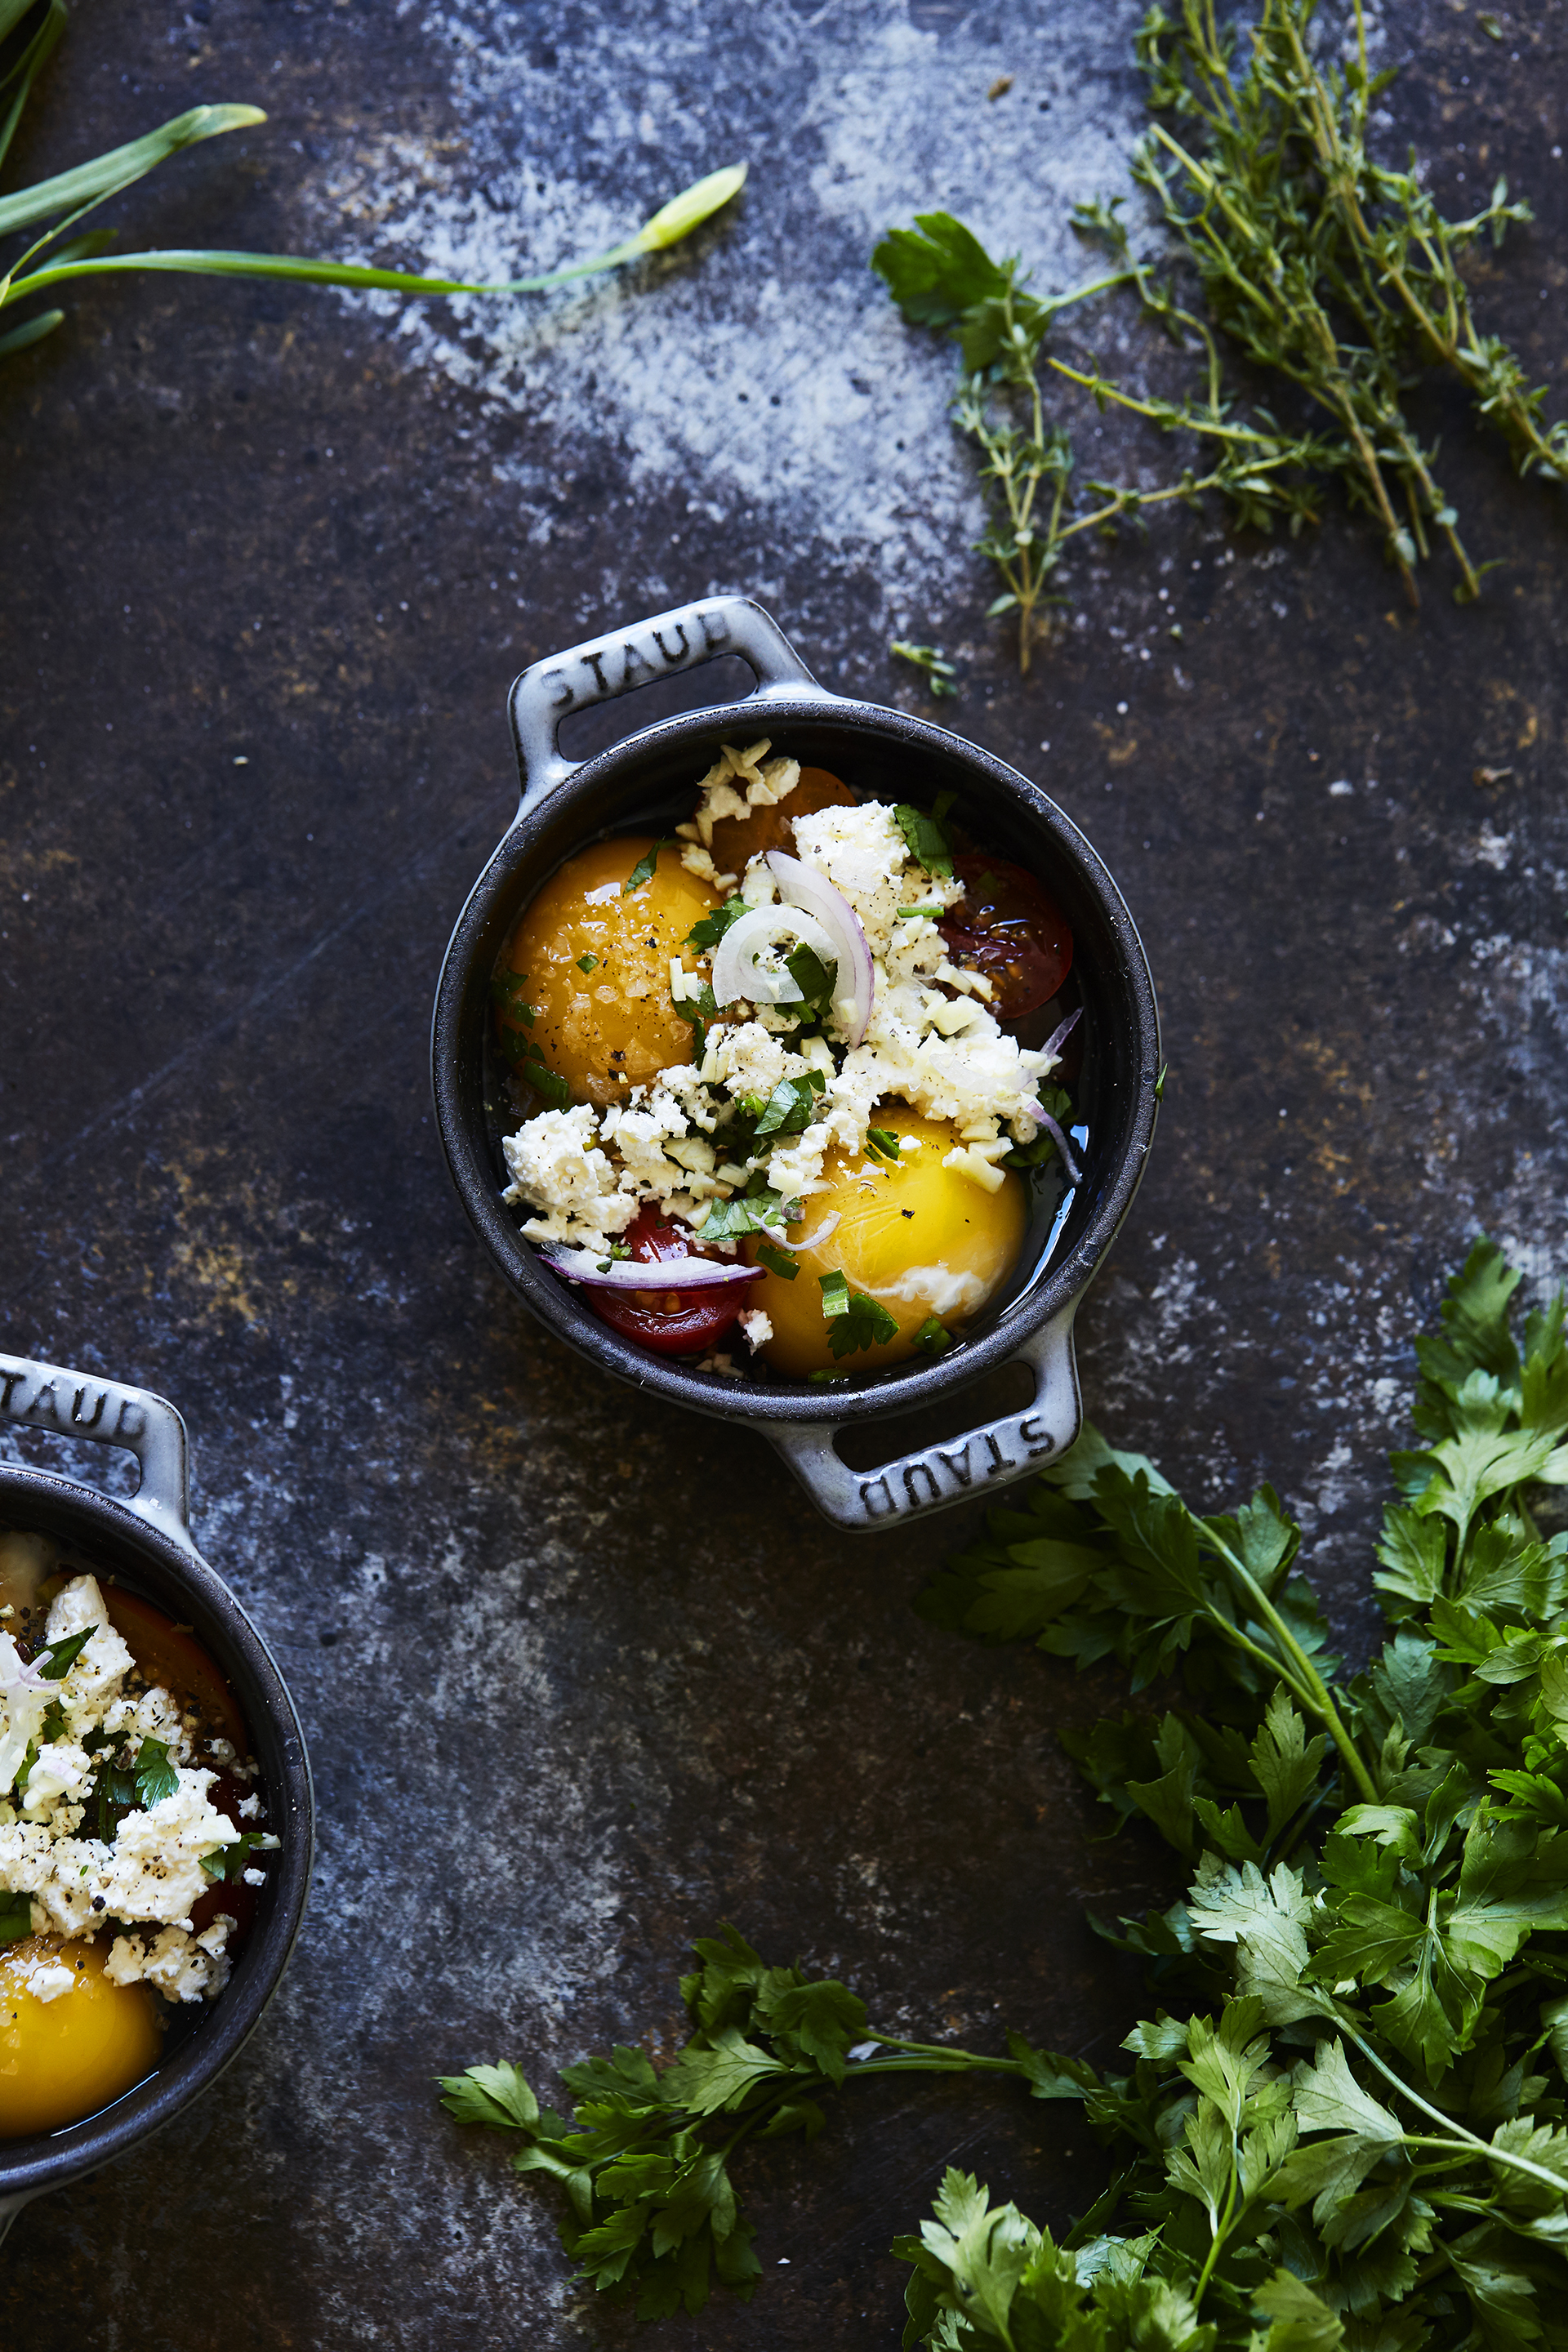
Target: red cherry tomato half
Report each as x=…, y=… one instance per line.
x=1005, y=927
x=690, y=1321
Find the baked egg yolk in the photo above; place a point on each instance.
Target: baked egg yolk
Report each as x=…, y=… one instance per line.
x=919, y=1238
x=597, y=958
x=64, y=2058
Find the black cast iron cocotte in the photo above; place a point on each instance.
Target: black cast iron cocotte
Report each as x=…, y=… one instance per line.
x=648, y=782
x=146, y=1544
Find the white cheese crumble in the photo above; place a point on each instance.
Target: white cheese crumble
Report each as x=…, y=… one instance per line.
x=151, y=1873
x=930, y=1041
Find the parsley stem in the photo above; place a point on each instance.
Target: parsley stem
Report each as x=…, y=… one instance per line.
x=1316, y=1690
x=1457, y=2137
x=945, y=2050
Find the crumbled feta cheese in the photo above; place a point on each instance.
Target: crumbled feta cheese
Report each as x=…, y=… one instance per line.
x=558, y=1170
x=152, y=1873
x=757, y=1325
x=182, y=1967
x=750, y=1062
x=736, y=783
x=930, y=1041
x=46, y=1979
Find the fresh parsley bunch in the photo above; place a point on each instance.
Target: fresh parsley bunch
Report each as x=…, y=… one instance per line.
x=645, y=2163
x=1344, y=2122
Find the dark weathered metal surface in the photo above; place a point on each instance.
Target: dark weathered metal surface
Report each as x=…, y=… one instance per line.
x=582, y=1674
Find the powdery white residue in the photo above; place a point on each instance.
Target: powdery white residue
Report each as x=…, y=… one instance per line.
x=767, y=371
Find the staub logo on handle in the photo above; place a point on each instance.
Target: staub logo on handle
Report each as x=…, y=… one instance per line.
x=614, y=665
x=97, y=1411
x=943, y=1471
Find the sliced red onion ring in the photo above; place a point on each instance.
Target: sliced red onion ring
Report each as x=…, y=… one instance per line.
x=647, y=1274
x=1063, y=1031
x=736, y=972
x=1042, y=1117
x=803, y=886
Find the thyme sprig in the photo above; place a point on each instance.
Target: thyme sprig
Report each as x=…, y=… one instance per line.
x=1333, y=273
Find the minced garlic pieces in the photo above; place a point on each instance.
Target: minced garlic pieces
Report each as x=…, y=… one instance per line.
x=737, y=782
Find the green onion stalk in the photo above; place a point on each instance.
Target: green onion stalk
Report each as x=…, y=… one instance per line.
x=68, y=198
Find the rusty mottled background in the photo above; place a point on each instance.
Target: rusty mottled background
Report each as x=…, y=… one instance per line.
x=582, y=1675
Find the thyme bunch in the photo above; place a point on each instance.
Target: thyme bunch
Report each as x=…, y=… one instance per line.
x=1317, y=264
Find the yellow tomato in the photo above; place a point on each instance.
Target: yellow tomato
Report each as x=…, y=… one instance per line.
x=63, y=2059
x=613, y=1025
x=919, y=1238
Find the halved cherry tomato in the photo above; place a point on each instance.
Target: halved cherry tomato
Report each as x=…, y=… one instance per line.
x=687, y=1321
x=167, y=1654
x=1005, y=927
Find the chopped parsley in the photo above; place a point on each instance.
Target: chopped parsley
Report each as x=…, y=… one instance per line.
x=883, y=1141
x=777, y=1261
x=816, y=979
x=587, y=963
x=854, y=1322
x=55, y=1663
x=228, y=1861
x=751, y=1211
x=930, y=843
x=933, y=1337
x=1033, y=1157
x=155, y=1776
x=788, y=1109
x=643, y=870
x=16, y=1917
x=707, y=933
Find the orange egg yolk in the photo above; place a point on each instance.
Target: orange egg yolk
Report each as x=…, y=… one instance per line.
x=596, y=960
x=920, y=1239
x=66, y=2055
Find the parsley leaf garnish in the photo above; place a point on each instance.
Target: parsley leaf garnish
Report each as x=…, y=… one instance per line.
x=56, y=1662
x=751, y=1211
x=929, y=844
x=155, y=1776
x=16, y=1917
x=643, y=870
x=708, y=930
x=228, y=1862
x=816, y=979
x=792, y=1106
x=854, y=1322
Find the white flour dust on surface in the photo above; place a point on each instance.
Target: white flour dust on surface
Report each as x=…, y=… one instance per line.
x=759, y=375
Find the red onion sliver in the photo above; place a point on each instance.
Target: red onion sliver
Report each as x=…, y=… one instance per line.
x=1042, y=1117
x=803, y=886
x=1063, y=1031
x=590, y=1270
